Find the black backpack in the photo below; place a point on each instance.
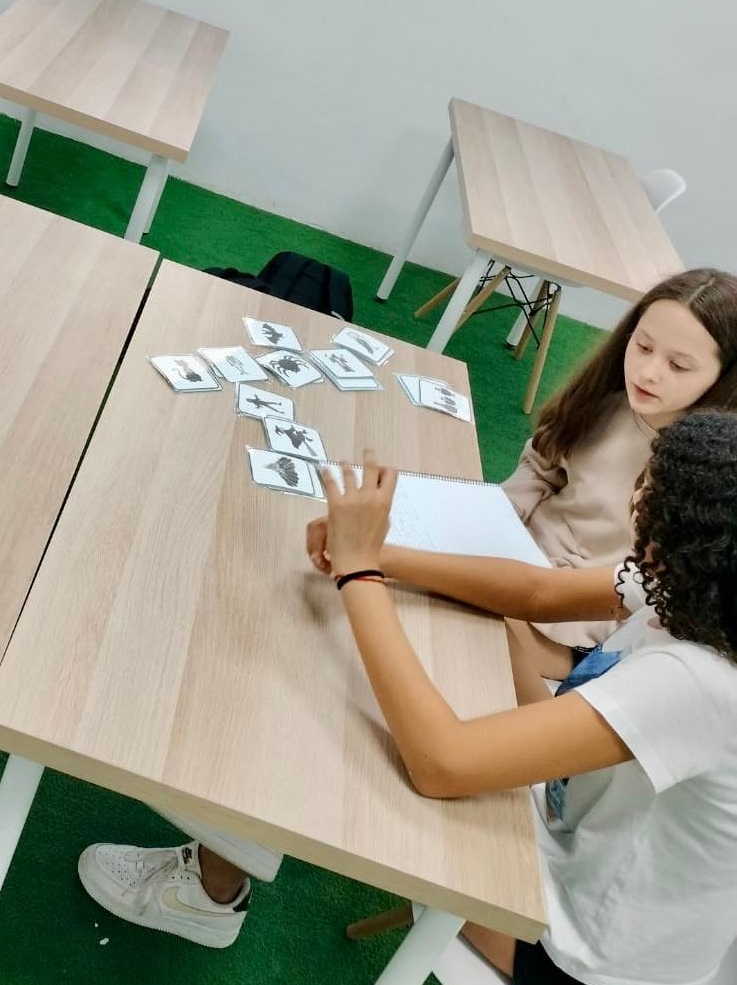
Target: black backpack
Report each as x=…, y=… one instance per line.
x=299, y=279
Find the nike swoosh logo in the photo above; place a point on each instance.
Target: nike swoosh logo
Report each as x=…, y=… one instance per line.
x=170, y=896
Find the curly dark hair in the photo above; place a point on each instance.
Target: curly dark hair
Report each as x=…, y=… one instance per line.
x=686, y=530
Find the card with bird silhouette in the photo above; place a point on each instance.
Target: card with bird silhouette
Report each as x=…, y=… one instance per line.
x=284, y=473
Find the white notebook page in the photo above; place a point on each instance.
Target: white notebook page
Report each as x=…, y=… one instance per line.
x=454, y=517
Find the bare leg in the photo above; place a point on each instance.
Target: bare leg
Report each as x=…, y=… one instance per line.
x=221, y=880
x=498, y=949
x=528, y=646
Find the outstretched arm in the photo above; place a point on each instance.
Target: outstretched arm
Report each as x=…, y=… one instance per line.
x=445, y=756
x=509, y=588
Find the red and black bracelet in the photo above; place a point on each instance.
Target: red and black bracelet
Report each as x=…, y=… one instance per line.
x=368, y=574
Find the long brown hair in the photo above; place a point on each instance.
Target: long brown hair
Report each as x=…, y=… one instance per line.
x=710, y=295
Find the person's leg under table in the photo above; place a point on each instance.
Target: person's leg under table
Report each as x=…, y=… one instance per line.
x=436, y=179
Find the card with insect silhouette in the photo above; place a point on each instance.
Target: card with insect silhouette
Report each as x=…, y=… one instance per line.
x=254, y=402
x=294, y=439
x=272, y=334
x=285, y=473
x=233, y=363
x=364, y=345
x=185, y=373
x=290, y=368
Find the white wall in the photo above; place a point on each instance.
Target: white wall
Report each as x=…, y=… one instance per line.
x=333, y=112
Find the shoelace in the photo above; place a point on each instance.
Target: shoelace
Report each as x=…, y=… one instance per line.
x=152, y=867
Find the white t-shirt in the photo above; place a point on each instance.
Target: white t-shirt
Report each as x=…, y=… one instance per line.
x=641, y=870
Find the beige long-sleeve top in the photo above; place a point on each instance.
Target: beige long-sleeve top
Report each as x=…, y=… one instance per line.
x=578, y=511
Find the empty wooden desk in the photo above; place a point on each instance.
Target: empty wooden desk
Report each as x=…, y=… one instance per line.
x=68, y=295
x=178, y=647
x=122, y=68
x=557, y=207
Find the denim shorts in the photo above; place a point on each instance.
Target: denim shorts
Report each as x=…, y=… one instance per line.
x=532, y=966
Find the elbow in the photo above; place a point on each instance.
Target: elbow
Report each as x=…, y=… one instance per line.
x=436, y=779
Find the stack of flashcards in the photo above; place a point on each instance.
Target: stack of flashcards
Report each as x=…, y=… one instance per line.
x=253, y=402
x=363, y=344
x=289, y=368
x=435, y=394
x=285, y=473
x=185, y=373
x=272, y=334
x=344, y=369
x=233, y=363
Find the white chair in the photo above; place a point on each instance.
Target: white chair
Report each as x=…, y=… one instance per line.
x=662, y=187
x=459, y=964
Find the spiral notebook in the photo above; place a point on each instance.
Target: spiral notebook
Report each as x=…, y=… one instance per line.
x=458, y=516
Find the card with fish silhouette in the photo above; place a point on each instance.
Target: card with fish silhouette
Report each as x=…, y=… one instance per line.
x=290, y=368
x=233, y=363
x=294, y=439
x=285, y=473
x=273, y=334
x=439, y=396
x=185, y=373
x=364, y=345
x=253, y=402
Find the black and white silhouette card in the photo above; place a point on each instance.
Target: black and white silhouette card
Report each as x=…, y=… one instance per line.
x=253, y=402
x=233, y=363
x=272, y=334
x=185, y=373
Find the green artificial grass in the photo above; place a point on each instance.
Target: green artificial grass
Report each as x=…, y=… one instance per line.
x=50, y=931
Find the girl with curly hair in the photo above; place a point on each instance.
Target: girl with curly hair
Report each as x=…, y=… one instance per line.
x=636, y=768
x=674, y=350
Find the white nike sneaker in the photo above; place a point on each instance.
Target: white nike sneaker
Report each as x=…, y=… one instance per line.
x=161, y=888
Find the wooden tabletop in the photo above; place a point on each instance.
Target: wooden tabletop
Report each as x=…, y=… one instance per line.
x=178, y=647
x=556, y=206
x=123, y=68
x=68, y=296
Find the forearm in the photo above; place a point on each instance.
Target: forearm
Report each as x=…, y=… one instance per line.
x=418, y=717
x=510, y=588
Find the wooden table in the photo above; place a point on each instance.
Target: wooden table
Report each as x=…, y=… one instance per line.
x=177, y=646
x=556, y=207
x=123, y=68
x=68, y=295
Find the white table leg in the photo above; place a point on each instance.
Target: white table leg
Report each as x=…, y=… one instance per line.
x=457, y=304
x=148, y=198
x=390, y=277
x=21, y=147
x=18, y=787
x=416, y=955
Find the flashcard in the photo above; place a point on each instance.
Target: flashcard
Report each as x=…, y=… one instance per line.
x=284, y=473
x=439, y=396
x=340, y=364
x=233, y=363
x=290, y=369
x=363, y=345
x=185, y=373
x=272, y=334
x=368, y=383
x=261, y=403
x=294, y=439
x=411, y=385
